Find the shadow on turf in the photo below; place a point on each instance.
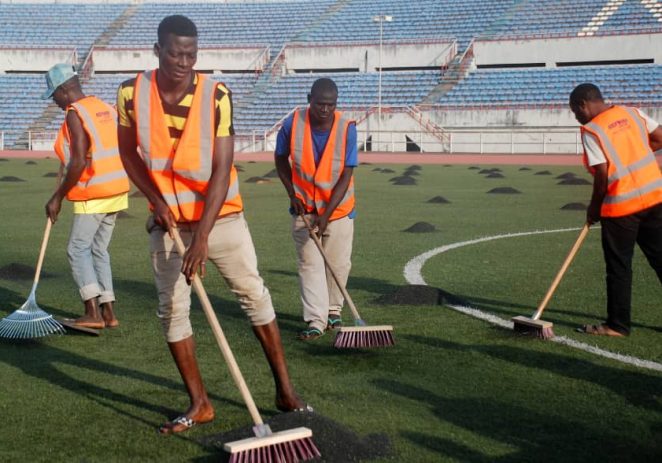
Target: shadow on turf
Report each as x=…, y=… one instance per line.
x=371, y=285
x=506, y=308
x=639, y=389
x=532, y=435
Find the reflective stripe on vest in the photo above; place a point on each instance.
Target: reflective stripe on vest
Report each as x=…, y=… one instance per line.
x=104, y=174
x=309, y=187
x=181, y=174
x=634, y=180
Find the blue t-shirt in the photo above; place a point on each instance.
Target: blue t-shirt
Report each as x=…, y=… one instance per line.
x=320, y=138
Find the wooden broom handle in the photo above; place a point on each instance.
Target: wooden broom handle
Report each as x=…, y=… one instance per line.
x=559, y=275
x=220, y=337
x=344, y=292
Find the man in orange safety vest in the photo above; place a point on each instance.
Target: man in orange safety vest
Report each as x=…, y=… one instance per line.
x=95, y=183
x=619, y=144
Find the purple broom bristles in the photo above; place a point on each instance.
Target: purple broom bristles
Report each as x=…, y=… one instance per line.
x=284, y=452
x=363, y=339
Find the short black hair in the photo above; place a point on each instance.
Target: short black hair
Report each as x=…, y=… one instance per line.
x=177, y=25
x=323, y=85
x=585, y=92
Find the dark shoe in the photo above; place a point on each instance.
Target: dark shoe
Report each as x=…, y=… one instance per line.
x=334, y=322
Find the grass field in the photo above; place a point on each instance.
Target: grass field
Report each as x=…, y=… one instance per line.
x=454, y=388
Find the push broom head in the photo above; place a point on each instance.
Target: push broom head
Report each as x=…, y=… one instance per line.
x=29, y=322
x=289, y=446
x=530, y=327
x=358, y=337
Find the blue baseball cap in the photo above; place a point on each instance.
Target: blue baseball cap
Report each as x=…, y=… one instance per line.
x=56, y=76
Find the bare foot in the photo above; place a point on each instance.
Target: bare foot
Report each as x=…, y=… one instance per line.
x=192, y=416
x=87, y=321
x=289, y=402
x=108, y=315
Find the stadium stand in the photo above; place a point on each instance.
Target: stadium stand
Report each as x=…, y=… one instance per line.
x=631, y=84
x=223, y=23
x=263, y=94
x=57, y=24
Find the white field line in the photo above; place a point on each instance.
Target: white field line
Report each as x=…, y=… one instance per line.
x=412, y=273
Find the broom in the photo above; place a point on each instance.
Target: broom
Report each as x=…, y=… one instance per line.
x=360, y=335
x=534, y=326
x=288, y=446
x=30, y=321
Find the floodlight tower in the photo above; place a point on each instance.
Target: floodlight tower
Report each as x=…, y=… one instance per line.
x=381, y=19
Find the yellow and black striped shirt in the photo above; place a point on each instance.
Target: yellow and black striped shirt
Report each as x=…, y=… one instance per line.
x=176, y=114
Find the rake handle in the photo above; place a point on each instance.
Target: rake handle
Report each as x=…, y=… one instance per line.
x=42, y=253
x=220, y=336
x=341, y=286
x=561, y=272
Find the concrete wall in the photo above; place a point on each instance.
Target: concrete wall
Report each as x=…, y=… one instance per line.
x=32, y=59
x=569, y=49
x=216, y=59
x=513, y=118
x=365, y=57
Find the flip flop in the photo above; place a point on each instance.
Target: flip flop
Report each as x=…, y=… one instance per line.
x=334, y=322
x=70, y=324
x=600, y=330
x=182, y=420
x=309, y=334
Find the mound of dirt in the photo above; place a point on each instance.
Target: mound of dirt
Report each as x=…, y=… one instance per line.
x=574, y=181
x=388, y=171
x=50, y=174
x=411, y=173
x=524, y=168
x=543, y=172
x=495, y=175
x=335, y=441
x=504, y=190
x=271, y=174
x=447, y=165
x=4, y=160
x=574, y=207
x=137, y=194
x=124, y=215
x=489, y=171
x=377, y=169
x=239, y=168
x=474, y=168
x=11, y=178
x=417, y=295
x=31, y=163
x=365, y=163
x=252, y=162
x=566, y=175
x=414, y=167
x=421, y=227
x=438, y=200
x=257, y=180
x=404, y=181
x=15, y=271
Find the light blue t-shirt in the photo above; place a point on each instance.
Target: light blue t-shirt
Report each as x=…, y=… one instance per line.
x=320, y=138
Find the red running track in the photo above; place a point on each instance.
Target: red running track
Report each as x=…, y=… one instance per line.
x=395, y=158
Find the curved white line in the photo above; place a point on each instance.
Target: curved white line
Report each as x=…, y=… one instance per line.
x=412, y=273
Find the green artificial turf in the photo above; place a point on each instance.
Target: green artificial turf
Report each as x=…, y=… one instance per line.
x=454, y=388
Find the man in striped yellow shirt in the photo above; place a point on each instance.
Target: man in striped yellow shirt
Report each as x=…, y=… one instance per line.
x=177, y=146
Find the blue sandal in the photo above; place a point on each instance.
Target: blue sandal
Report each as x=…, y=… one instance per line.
x=334, y=322
x=309, y=334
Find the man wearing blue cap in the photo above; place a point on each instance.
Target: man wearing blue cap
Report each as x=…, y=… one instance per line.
x=96, y=183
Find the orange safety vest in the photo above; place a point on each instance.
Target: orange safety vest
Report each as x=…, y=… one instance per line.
x=104, y=174
x=313, y=185
x=181, y=175
x=634, y=179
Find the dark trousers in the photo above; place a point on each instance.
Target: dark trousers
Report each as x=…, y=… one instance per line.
x=619, y=234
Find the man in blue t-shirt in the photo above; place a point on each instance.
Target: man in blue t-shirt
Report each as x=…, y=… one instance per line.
x=316, y=169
